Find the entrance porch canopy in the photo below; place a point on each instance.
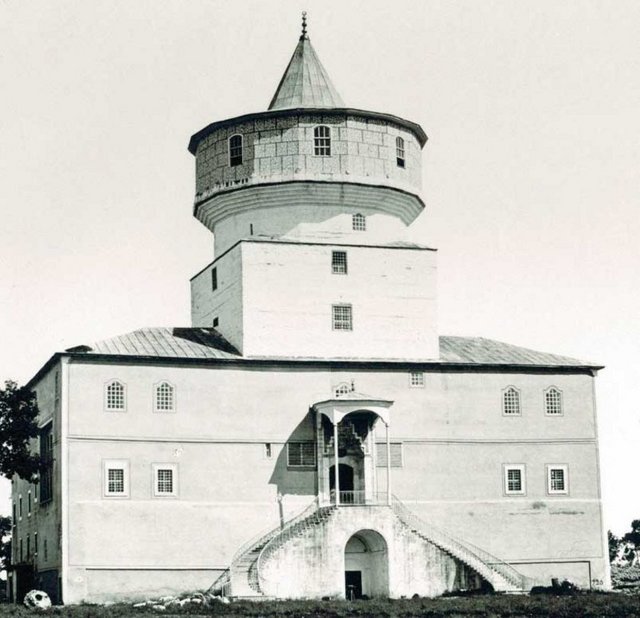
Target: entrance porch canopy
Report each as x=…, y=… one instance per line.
x=337, y=408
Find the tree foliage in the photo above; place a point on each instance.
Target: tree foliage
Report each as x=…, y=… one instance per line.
x=614, y=545
x=633, y=537
x=18, y=413
x=5, y=542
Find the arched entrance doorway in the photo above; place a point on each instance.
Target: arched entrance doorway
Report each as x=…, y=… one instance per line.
x=366, y=565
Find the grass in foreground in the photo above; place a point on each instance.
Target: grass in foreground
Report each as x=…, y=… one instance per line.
x=587, y=605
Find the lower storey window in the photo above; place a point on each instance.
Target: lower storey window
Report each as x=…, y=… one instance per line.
x=514, y=480
x=557, y=479
x=165, y=479
x=116, y=478
x=301, y=454
x=395, y=449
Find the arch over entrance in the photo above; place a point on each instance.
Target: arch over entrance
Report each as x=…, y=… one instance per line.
x=366, y=565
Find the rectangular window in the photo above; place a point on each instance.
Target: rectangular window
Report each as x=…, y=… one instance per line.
x=514, y=480
x=214, y=279
x=301, y=454
x=216, y=321
x=342, y=317
x=235, y=150
x=21, y=552
x=29, y=503
x=322, y=141
x=46, y=470
x=396, y=454
x=45, y=550
x=339, y=262
x=165, y=481
x=116, y=478
x=35, y=543
x=416, y=379
x=268, y=453
x=28, y=546
x=557, y=479
x=20, y=506
x=400, y=151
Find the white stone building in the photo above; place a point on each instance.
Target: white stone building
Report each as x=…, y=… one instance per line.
x=181, y=458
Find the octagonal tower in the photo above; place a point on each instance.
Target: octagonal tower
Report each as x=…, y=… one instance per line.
x=309, y=203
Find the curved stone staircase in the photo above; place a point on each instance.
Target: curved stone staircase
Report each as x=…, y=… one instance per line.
x=246, y=576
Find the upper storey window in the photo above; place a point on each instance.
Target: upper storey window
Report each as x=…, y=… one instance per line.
x=322, y=141
x=114, y=396
x=359, y=223
x=164, y=397
x=235, y=150
x=400, y=151
x=511, y=402
x=553, y=402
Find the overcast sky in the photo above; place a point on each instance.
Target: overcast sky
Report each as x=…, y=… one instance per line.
x=531, y=171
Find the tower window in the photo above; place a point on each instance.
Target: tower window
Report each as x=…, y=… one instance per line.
x=235, y=150
x=553, y=402
x=359, y=223
x=400, y=151
x=416, y=379
x=164, y=397
x=557, y=479
x=511, y=402
x=514, y=480
x=342, y=317
x=114, y=396
x=322, y=141
x=214, y=279
x=339, y=262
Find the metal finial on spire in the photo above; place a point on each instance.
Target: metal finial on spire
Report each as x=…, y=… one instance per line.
x=304, y=25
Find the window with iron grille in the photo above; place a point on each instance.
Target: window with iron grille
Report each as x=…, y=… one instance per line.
x=553, y=402
x=400, y=151
x=511, y=402
x=322, y=141
x=514, y=480
x=416, y=379
x=359, y=223
x=46, y=465
x=396, y=454
x=339, y=262
x=165, y=479
x=235, y=150
x=116, y=478
x=342, y=317
x=301, y=454
x=557, y=479
x=115, y=396
x=164, y=397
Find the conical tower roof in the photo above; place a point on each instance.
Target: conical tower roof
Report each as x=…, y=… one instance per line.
x=305, y=83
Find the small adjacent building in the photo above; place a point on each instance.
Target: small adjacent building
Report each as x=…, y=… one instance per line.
x=311, y=434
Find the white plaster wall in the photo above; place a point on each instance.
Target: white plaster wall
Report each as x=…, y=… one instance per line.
x=300, y=221
x=224, y=303
x=451, y=477
x=289, y=291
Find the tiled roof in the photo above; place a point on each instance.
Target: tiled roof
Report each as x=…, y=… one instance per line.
x=207, y=343
x=305, y=82
x=481, y=351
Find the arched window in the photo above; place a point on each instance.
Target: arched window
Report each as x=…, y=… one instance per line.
x=322, y=141
x=164, y=397
x=511, y=401
x=553, y=401
x=400, y=151
x=235, y=150
x=359, y=222
x=114, y=396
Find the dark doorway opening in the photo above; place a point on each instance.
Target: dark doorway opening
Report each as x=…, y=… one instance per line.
x=345, y=476
x=353, y=585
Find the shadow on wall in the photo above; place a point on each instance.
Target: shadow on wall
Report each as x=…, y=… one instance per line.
x=294, y=472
